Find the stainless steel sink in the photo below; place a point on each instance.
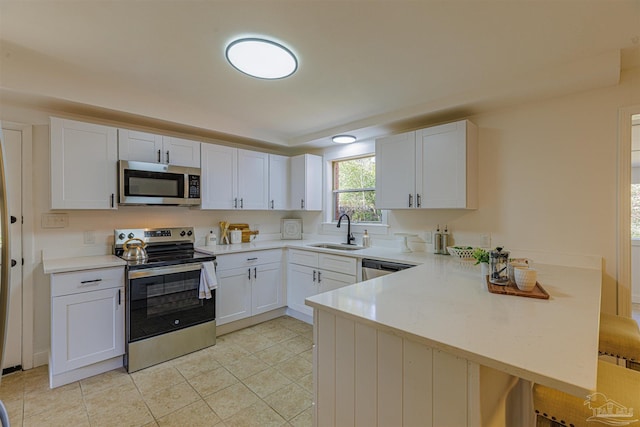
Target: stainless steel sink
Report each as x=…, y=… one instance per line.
x=336, y=246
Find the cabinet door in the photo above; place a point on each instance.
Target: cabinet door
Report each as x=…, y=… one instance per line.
x=139, y=146
x=219, y=171
x=266, y=292
x=181, y=152
x=233, y=297
x=83, y=165
x=278, y=182
x=306, y=182
x=442, y=166
x=301, y=284
x=253, y=180
x=86, y=328
x=395, y=171
x=330, y=280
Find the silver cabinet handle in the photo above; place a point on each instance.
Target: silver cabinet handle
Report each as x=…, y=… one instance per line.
x=235, y=203
x=252, y=259
x=249, y=271
x=314, y=275
x=167, y=156
x=241, y=203
x=255, y=272
x=119, y=298
x=113, y=196
x=159, y=160
x=319, y=274
x=418, y=200
x=410, y=200
x=301, y=203
x=272, y=204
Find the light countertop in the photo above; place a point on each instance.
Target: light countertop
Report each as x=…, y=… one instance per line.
x=63, y=265
x=444, y=304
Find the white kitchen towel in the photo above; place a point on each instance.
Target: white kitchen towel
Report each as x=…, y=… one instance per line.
x=208, y=280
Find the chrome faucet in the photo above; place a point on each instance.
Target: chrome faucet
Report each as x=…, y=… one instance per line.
x=350, y=237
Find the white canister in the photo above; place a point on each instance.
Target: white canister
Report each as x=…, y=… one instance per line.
x=236, y=236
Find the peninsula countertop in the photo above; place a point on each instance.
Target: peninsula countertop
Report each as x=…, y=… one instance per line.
x=444, y=304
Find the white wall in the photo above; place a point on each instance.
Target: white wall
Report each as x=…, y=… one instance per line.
x=547, y=183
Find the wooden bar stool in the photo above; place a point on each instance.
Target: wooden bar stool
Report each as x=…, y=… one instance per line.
x=620, y=337
x=617, y=399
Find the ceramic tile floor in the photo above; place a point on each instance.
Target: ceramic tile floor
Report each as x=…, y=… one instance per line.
x=259, y=376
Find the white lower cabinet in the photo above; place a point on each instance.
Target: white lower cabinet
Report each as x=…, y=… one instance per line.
x=87, y=324
x=249, y=283
x=311, y=273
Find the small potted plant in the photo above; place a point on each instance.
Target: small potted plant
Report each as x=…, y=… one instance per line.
x=482, y=257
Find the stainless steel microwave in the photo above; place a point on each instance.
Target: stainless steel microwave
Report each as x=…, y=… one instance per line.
x=143, y=183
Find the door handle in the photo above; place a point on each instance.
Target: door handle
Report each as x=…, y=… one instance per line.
x=272, y=204
x=319, y=274
x=241, y=203
x=167, y=156
x=314, y=275
x=13, y=219
x=13, y=263
x=113, y=196
x=235, y=203
x=159, y=160
x=255, y=272
x=410, y=200
x=418, y=200
x=119, y=299
x=301, y=203
x=249, y=271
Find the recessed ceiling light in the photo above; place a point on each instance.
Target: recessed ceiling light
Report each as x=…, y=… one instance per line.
x=264, y=59
x=343, y=139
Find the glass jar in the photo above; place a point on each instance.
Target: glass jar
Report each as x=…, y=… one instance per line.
x=498, y=263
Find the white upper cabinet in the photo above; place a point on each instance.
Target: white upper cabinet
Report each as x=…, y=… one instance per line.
x=432, y=168
x=233, y=178
x=306, y=182
x=279, y=171
x=152, y=148
x=253, y=180
x=83, y=165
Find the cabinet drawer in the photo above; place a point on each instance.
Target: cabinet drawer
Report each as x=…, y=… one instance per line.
x=340, y=264
x=308, y=258
x=245, y=259
x=86, y=280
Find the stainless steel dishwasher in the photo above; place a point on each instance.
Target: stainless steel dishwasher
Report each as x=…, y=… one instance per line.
x=375, y=268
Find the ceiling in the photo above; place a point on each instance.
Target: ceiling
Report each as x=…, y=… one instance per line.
x=365, y=67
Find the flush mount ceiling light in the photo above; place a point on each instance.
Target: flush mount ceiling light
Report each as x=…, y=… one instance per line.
x=261, y=58
x=343, y=139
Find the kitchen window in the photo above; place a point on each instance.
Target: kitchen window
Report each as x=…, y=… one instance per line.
x=354, y=189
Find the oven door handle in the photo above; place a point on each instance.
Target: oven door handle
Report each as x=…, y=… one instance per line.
x=161, y=271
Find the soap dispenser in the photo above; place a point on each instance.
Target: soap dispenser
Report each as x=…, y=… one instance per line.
x=366, y=240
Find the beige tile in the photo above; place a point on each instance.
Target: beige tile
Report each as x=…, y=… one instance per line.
x=231, y=400
x=12, y=387
x=171, y=399
x=247, y=366
x=229, y=353
x=116, y=378
x=307, y=355
x=197, y=414
x=212, y=381
x=305, y=419
x=62, y=398
x=295, y=368
x=195, y=364
x=289, y=401
x=15, y=409
x=299, y=327
x=298, y=344
x=255, y=342
x=278, y=334
x=122, y=406
x=257, y=415
x=266, y=382
x=60, y=417
x=306, y=382
x=274, y=354
x=150, y=380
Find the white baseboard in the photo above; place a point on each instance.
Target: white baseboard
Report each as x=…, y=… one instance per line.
x=40, y=358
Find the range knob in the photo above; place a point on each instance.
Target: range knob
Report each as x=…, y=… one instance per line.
x=189, y=233
x=121, y=236
x=182, y=233
x=131, y=235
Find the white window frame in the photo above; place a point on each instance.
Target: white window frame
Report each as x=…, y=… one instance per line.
x=346, y=152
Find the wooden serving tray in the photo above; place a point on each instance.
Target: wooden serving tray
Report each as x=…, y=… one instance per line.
x=511, y=289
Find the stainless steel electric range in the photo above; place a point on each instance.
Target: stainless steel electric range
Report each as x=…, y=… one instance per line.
x=165, y=318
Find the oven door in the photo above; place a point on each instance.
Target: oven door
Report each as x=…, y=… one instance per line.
x=165, y=299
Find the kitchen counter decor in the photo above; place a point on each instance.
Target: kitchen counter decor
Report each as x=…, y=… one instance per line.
x=462, y=252
x=511, y=289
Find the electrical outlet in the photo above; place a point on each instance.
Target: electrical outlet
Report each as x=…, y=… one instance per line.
x=89, y=238
x=428, y=237
x=485, y=240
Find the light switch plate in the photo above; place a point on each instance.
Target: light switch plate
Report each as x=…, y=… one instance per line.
x=54, y=220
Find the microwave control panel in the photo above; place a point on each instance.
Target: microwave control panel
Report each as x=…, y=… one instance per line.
x=194, y=186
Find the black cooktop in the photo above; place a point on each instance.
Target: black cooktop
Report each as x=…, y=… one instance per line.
x=162, y=259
